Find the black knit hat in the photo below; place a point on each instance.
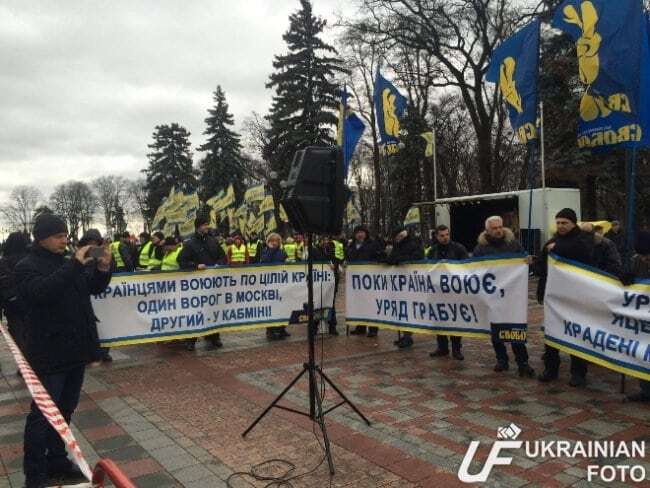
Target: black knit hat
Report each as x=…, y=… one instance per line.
x=201, y=220
x=48, y=225
x=91, y=235
x=643, y=243
x=361, y=228
x=567, y=213
x=159, y=235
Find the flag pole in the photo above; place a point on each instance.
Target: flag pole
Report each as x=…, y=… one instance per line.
x=541, y=144
x=435, y=167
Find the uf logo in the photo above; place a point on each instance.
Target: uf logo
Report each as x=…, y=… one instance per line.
x=508, y=85
x=511, y=432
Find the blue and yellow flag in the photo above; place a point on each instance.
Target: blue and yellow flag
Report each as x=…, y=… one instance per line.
x=611, y=38
x=350, y=130
x=390, y=105
x=514, y=67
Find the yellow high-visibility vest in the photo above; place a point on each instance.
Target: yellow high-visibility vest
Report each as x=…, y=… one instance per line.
x=154, y=262
x=300, y=251
x=144, y=254
x=115, y=250
x=339, y=251
x=290, y=249
x=252, y=248
x=170, y=260
x=224, y=246
x=238, y=254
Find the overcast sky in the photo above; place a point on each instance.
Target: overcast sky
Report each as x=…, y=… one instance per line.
x=83, y=83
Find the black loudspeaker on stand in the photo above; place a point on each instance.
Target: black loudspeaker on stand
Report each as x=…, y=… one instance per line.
x=322, y=168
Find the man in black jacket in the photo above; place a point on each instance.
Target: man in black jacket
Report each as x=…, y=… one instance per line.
x=405, y=248
x=199, y=252
x=569, y=242
x=497, y=239
x=60, y=339
x=445, y=248
x=363, y=249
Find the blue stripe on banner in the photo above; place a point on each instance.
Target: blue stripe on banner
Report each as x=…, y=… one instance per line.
x=222, y=267
x=602, y=357
x=188, y=332
x=417, y=326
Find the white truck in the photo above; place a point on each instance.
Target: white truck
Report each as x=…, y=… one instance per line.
x=465, y=216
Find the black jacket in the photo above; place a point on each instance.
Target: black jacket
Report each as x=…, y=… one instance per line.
x=368, y=251
x=453, y=250
x=408, y=249
x=60, y=325
x=9, y=302
x=577, y=245
x=127, y=256
x=200, y=249
x=487, y=246
x=606, y=256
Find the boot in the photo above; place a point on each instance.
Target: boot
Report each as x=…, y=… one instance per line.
x=500, y=367
x=405, y=342
x=548, y=375
x=358, y=330
x=578, y=381
x=438, y=353
x=525, y=371
x=457, y=355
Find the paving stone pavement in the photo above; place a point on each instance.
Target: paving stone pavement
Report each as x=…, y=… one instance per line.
x=172, y=418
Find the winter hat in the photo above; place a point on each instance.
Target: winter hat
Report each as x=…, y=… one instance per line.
x=361, y=228
x=567, y=213
x=643, y=243
x=48, y=225
x=159, y=235
x=91, y=235
x=201, y=220
x=397, y=230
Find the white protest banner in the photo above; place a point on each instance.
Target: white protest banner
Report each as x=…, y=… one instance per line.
x=464, y=298
x=591, y=315
x=148, y=307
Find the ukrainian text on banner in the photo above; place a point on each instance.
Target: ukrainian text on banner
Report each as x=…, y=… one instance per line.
x=149, y=307
x=464, y=298
x=591, y=315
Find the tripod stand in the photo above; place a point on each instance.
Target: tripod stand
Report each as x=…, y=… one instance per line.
x=316, y=412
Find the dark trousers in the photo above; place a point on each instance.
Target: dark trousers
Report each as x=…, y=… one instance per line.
x=552, y=362
x=645, y=388
x=213, y=338
x=43, y=448
x=443, y=343
x=519, y=350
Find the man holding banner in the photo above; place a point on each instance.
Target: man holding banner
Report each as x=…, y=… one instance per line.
x=573, y=243
x=497, y=239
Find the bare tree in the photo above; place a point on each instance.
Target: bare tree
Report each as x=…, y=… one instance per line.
x=76, y=203
x=461, y=36
x=18, y=212
x=137, y=201
x=110, y=191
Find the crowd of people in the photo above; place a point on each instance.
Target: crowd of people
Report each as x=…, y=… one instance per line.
x=46, y=285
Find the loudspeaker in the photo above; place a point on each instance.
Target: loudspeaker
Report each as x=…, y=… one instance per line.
x=315, y=193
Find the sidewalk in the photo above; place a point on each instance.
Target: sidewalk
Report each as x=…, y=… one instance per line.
x=173, y=418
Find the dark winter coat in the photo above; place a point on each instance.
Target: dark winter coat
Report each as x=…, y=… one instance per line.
x=273, y=255
x=201, y=249
x=127, y=256
x=453, y=251
x=487, y=246
x=640, y=267
x=369, y=250
x=577, y=245
x=9, y=302
x=408, y=249
x=618, y=238
x=60, y=325
x=606, y=256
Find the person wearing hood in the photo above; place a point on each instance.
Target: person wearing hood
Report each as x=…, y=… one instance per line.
x=405, y=248
x=60, y=339
x=14, y=250
x=569, y=242
x=199, y=252
x=640, y=269
x=497, y=239
x=445, y=248
x=363, y=248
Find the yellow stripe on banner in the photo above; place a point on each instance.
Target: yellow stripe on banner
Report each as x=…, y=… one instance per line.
x=415, y=330
x=596, y=276
x=472, y=265
x=596, y=360
x=167, y=338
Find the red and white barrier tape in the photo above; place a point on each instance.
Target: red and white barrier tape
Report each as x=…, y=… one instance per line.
x=46, y=405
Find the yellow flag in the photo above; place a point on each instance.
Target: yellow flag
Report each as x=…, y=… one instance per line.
x=283, y=214
x=231, y=216
x=212, y=202
x=412, y=216
x=271, y=225
x=428, y=136
x=352, y=213
x=267, y=204
x=241, y=211
x=258, y=225
x=254, y=194
x=187, y=228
